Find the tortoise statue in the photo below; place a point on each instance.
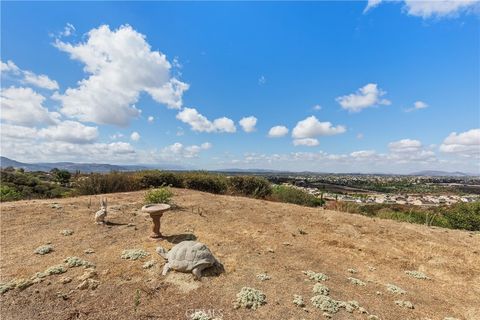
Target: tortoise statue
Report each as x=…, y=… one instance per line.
x=189, y=256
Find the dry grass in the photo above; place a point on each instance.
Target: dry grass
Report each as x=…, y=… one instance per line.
x=248, y=236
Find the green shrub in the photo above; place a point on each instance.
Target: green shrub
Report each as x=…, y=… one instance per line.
x=207, y=182
x=156, y=178
x=9, y=194
x=463, y=216
x=97, y=183
x=249, y=186
x=160, y=195
x=296, y=196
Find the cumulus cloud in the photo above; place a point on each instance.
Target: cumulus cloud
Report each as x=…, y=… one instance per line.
x=405, y=145
x=120, y=66
x=277, y=131
x=248, y=124
x=68, y=30
x=308, y=142
x=463, y=144
x=28, y=77
x=362, y=154
x=311, y=128
x=200, y=123
x=178, y=150
x=317, y=107
x=151, y=119
x=432, y=8
x=135, y=136
x=25, y=107
x=371, y=4
x=417, y=105
x=368, y=96
x=70, y=131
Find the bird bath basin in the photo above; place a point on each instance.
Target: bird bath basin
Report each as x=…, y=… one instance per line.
x=156, y=211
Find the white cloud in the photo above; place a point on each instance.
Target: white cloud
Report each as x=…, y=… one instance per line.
x=135, y=136
x=317, y=107
x=178, y=150
x=28, y=77
x=405, y=145
x=432, y=8
x=14, y=132
x=360, y=136
x=417, y=105
x=68, y=30
x=311, y=127
x=9, y=66
x=121, y=65
x=464, y=144
x=362, y=154
x=116, y=136
x=278, y=131
x=438, y=8
x=25, y=106
x=248, y=124
x=262, y=80
x=309, y=142
x=367, y=96
x=200, y=123
x=151, y=119
x=371, y=4
x=70, y=131
x=41, y=81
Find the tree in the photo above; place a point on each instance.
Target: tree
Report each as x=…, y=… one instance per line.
x=61, y=176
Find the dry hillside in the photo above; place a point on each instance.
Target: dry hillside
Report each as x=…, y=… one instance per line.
x=250, y=237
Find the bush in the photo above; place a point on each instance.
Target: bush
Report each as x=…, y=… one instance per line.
x=463, y=216
x=97, y=183
x=61, y=176
x=160, y=195
x=250, y=186
x=207, y=182
x=296, y=196
x=9, y=194
x=156, y=178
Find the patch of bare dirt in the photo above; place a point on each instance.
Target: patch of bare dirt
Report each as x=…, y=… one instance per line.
x=250, y=237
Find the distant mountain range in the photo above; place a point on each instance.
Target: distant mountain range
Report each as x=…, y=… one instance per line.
x=82, y=167
x=433, y=173
x=104, y=167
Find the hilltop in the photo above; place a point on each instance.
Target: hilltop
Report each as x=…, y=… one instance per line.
x=250, y=237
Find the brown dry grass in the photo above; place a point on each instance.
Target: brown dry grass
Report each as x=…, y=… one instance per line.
x=240, y=232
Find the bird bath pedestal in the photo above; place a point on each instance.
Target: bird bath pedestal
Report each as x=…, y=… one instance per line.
x=156, y=211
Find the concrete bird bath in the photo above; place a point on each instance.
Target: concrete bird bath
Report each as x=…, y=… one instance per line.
x=156, y=211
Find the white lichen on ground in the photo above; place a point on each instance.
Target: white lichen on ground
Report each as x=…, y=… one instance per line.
x=373, y=317
x=44, y=249
x=148, y=264
x=349, y=306
x=298, y=301
x=394, y=289
x=325, y=303
x=22, y=284
x=5, y=286
x=356, y=281
x=250, y=298
x=73, y=262
x=319, y=288
x=67, y=232
x=404, y=304
x=417, y=274
x=316, y=276
x=372, y=268
x=57, y=269
x=450, y=318
x=263, y=277
x=352, y=270
x=134, y=254
x=200, y=315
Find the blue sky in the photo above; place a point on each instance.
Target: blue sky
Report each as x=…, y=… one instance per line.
x=350, y=86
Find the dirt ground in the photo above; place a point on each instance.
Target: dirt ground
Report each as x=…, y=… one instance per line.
x=249, y=237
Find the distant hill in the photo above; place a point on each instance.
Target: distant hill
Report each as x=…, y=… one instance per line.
x=82, y=167
x=433, y=173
